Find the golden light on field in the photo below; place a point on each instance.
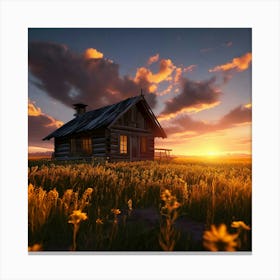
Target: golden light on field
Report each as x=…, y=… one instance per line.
x=99, y=211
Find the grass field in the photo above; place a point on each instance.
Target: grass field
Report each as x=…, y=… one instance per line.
x=191, y=204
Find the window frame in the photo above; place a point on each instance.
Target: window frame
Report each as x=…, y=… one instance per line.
x=87, y=145
x=81, y=145
x=123, y=144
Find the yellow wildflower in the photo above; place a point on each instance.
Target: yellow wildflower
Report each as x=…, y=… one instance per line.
x=116, y=211
x=129, y=204
x=218, y=239
x=166, y=195
x=88, y=191
x=53, y=194
x=240, y=224
x=99, y=221
x=35, y=247
x=176, y=205
x=170, y=201
x=77, y=216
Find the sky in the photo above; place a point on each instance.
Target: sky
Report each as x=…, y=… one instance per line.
x=198, y=82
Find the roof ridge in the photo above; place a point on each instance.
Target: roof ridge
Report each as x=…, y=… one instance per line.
x=114, y=104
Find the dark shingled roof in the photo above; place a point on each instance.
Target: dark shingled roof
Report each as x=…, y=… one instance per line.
x=103, y=117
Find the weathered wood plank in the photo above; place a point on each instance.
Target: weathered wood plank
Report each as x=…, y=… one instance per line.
x=99, y=140
x=100, y=150
x=59, y=154
x=62, y=148
x=99, y=146
x=121, y=129
x=99, y=155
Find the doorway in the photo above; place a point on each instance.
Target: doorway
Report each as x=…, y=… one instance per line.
x=134, y=147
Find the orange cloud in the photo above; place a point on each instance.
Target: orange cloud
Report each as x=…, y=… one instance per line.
x=153, y=59
x=165, y=70
x=33, y=110
x=40, y=125
x=166, y=91
x=178, y=75
x=152, y=88
x=193, y=109
x=238, y=63
x=92, y=53
x=179, y=71
x=54, y=122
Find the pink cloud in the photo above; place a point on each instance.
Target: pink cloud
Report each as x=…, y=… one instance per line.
x=187, y=126
x=153, y=59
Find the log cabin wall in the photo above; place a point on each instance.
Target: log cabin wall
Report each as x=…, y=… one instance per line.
x=61, y=147
x=99, y=144
x=137, y=132
x=70, y=147
x=133, y=149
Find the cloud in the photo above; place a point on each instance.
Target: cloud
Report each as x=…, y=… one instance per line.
x=226, y=77
x=166, y=68
x=190, y=68
x=188, y=127
x=238, y=64
x=82, y=78
x=239, y=115
x=165, y=91
x=33, y=111
x=195, y=96
x=153, y=59
x=92, y=54
x=40, y=125
x=178, y=74
x=184, y=124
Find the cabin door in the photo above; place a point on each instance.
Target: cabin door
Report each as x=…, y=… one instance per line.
x=134, y=151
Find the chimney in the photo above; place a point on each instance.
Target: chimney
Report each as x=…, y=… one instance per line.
x=80, y=109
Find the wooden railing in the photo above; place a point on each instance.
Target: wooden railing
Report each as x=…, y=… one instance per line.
x=162, y=153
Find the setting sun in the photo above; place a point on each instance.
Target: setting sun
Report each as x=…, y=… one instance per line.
x=212, y=153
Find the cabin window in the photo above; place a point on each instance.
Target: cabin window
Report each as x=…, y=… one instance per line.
x=81, y=146
x=86, y=145
x=143, y=144
x=123, y=144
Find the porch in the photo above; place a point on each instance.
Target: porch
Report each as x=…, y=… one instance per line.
x=162, y=153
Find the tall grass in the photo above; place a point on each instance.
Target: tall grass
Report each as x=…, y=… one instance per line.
x=208, y=192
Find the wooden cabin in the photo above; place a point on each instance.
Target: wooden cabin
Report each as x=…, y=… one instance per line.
x=124, y=131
